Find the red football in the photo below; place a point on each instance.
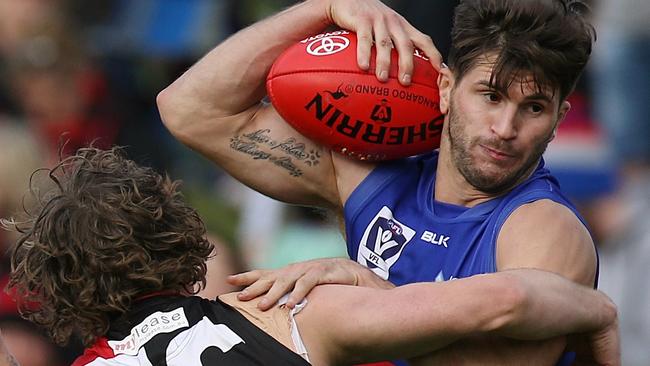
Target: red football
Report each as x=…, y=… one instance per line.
x=318, y=88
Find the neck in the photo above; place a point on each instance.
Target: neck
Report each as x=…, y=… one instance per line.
x=451, y=187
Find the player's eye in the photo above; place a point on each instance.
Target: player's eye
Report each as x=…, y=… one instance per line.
x=491, y=97
x=536, y=108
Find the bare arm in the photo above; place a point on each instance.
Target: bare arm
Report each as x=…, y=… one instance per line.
x=548, y=236
x=543, y=235
x=344, y=324
x=216, y=109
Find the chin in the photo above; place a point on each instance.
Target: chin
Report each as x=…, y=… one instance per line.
x=492, y=183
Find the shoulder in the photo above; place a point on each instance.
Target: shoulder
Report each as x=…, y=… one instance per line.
x=357, y=177
x=547, y=235
x=276, y=321
x=349, y=174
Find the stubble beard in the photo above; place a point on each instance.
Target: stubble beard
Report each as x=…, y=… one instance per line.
x=460, y=146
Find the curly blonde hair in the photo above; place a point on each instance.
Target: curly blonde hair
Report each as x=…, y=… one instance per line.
x=108, y=232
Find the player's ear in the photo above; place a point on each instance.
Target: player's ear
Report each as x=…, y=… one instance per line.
x=552, y=137
x=445, y=85
x=565, y=107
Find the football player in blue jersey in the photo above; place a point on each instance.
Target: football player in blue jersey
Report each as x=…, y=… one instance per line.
x=112, y=254
x=484, y=202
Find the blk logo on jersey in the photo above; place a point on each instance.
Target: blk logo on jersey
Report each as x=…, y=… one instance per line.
x=383, y=242
x=436, y=239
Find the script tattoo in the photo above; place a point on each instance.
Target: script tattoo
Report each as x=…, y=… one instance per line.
x=252, y=149
x=287, y=164
x=291, y=146
x=260, y=136
x=249, y=148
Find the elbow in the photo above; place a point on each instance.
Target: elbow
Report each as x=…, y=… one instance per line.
x=609, y=311
x=180, y=112
x=188, y=116
x=512, y=302
x=166, y=102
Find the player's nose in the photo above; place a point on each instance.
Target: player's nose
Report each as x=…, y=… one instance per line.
x=504, y=125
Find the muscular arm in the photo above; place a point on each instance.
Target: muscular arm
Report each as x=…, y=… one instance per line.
x=548, y=236
x=215, y=108
x=343, y=324
x=542, y=235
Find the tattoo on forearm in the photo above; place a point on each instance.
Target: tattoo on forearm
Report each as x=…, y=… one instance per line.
x=291, y=146
x=253, y=149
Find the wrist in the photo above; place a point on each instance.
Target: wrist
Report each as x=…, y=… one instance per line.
x=368, y=278
x=324, y=8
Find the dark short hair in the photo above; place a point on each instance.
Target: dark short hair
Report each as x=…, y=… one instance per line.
x=109, y=231
x=549, y=38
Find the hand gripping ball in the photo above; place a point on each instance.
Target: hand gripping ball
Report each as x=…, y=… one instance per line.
x=318, y=88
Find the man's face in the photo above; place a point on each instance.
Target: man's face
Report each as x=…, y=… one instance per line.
x=496, y=137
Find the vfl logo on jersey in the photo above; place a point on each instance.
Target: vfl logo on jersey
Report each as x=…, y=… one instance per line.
x=382, y=242
x=154, y=324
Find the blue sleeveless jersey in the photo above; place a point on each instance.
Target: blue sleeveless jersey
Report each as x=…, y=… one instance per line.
x=396, y=228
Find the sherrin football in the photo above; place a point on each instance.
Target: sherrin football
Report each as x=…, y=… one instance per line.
x=318, y=88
